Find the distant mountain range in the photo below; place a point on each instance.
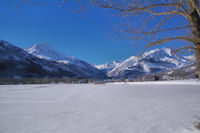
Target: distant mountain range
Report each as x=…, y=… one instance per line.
x=41, y=60
x=107, y=67
x=153, y=61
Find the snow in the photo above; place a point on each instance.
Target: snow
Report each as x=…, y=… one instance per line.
x=45, y=51
x=190, y=58
x=132, y=107
x=158, y=52
x=155, y=60
x=107, y=67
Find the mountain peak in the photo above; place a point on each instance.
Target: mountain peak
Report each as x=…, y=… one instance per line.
x=45, y=51
x=157, y=60
x=162, y=52
x=40, y=47
x=107, y=67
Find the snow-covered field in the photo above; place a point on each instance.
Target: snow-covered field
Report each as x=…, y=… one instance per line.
x=148, y=107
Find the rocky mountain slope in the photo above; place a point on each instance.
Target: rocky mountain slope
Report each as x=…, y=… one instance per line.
x=45, y=51
x=107, y=67
x=17, y=63
x=157, y=60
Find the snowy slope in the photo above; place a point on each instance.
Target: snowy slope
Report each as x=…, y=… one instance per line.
x=45, y=51
x=145, y=107
x=15, y=62
x=152, y=61
x=188, y=72
x=107, y=67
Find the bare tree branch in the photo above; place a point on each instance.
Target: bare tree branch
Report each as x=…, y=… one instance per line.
x=147, y=9
x=183, y=48
x=161, y=41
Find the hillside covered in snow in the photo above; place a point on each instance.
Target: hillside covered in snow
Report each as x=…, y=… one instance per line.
x=45, y=51
x=153, y=61
x=41, y=60
x=17, y=63
x=107, y=67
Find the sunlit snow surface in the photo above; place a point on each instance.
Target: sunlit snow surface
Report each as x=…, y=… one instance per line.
x=147, y=107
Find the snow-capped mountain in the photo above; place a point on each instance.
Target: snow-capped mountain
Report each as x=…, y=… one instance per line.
x=45, y=51
x=191, y=58
x=41, y=60
x=152, y=61
x=15, y=62
x=107, y=67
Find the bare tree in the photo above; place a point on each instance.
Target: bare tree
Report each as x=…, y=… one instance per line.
x=164, y=11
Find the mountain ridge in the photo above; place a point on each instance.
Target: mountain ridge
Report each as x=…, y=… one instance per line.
x=45, y=51
x=41, y=60
x=16, y=62
x=107, y=67
x=156, y=60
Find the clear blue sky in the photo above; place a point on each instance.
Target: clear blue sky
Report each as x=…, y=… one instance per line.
x=87, y=38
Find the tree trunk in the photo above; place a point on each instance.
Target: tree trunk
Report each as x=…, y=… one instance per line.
x=197, y=50
x=195, y=23
x=197, y=55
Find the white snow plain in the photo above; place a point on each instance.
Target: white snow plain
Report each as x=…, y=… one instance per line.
x=145, y=107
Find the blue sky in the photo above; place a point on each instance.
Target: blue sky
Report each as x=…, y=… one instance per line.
x=87, y=36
